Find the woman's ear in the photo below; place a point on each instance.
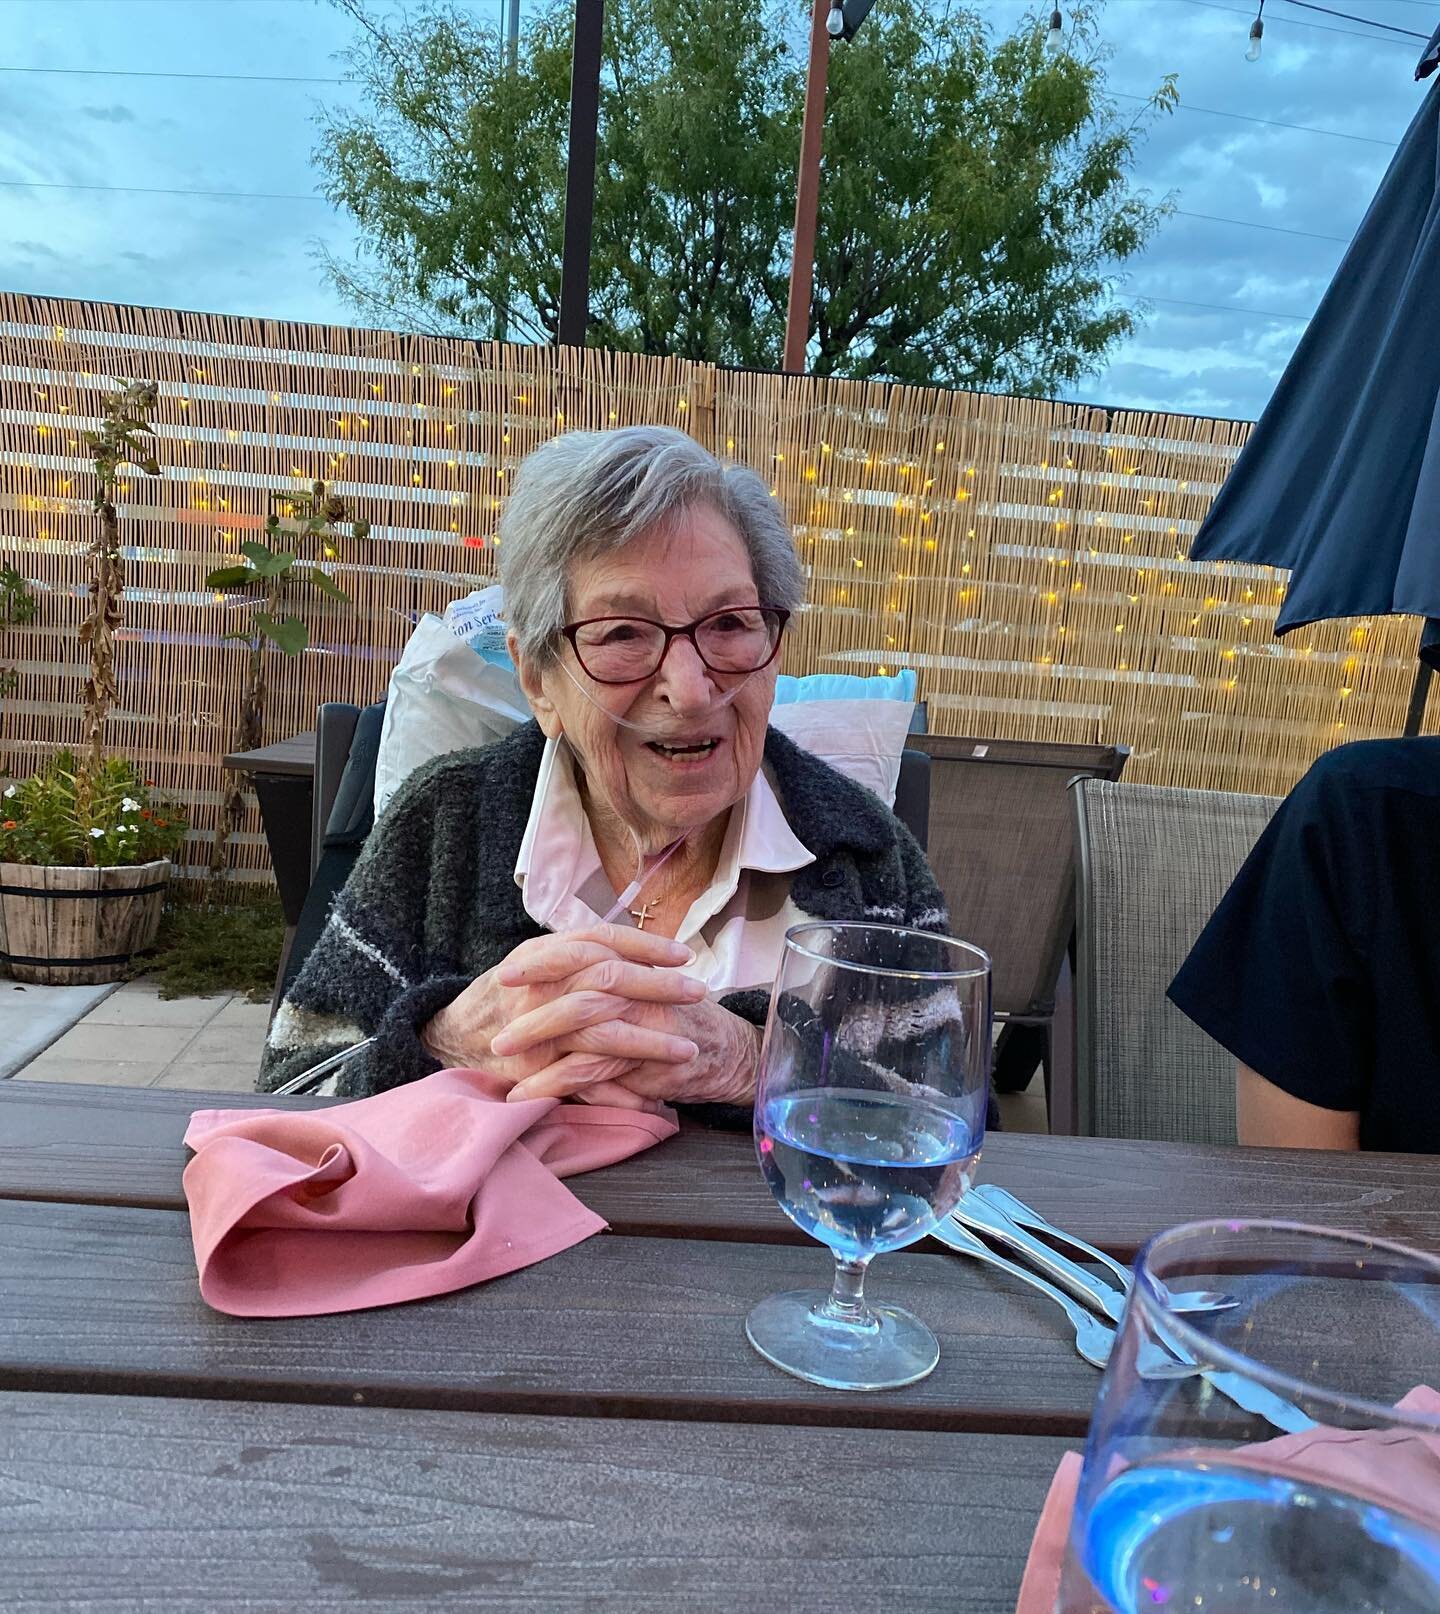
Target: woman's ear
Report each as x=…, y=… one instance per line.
x=533, y=686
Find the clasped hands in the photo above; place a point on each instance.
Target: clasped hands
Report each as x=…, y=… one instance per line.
x=605, y=1015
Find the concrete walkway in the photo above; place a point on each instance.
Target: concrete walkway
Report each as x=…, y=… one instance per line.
x=32, y=1017
x=134, y=1038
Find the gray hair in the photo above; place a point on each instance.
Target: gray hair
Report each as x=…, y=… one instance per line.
x=589, y=493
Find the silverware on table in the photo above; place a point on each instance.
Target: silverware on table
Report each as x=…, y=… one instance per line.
x=1093, y=1339
x=1024, y=1216
x=980, y=1216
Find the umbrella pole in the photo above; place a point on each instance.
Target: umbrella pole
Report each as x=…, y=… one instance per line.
x=1419, y=694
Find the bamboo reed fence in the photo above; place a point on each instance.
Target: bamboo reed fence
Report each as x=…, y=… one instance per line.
x=1026, y=557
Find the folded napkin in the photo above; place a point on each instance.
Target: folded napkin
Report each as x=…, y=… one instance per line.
x=1395, y=1467
x=417, y=1191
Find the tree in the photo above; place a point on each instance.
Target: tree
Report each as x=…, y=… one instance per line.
x=976, y=208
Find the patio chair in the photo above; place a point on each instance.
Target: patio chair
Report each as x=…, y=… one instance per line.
x=1002, y=850
x=1152, y=865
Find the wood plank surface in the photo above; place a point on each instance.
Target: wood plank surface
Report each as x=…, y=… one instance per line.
x=203, y=1507
x=120, y=1145
x=293, y=756
x=106, y=1300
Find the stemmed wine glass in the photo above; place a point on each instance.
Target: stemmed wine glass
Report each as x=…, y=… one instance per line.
x=869, y=1115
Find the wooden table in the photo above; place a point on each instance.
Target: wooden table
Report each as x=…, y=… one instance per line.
x=284, y=779
x=592, y=1432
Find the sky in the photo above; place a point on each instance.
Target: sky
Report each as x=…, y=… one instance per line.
x=114, y=113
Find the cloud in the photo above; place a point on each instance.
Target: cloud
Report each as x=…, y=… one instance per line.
x=36, y=251
x=109, y=114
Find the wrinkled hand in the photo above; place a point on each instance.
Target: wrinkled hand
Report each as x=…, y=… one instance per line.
x=603, y=975
x=720, y=1070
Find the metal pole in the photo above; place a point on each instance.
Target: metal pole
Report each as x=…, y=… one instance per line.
x=807, y=195
x=512, y=62
x=580, y=175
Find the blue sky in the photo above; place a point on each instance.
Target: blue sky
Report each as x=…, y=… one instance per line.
x=108, y=121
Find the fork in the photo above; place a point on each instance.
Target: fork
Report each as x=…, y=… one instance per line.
x=1023, y=1216
x=1093, y=1339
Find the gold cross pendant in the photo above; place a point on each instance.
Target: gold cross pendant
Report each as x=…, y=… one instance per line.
x=640, y=915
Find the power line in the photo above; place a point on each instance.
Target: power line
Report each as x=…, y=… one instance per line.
x=265, y=78
x=1295, y=22
x=1254, y=224
x=1215, y=308
x=295, y=196
x=1271, y=123
x=1369, y=22
x=162, y=190
x=128, y=72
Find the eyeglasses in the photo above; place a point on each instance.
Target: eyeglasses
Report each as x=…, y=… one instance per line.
x=625, y=649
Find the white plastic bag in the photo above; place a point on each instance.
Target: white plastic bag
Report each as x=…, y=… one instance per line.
x=448, y=692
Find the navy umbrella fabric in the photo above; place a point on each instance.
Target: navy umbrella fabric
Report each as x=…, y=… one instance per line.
x=1339, y=482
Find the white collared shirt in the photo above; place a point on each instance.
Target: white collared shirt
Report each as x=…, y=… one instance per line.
x=735, y=927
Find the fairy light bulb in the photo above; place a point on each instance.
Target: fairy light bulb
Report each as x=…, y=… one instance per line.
x=1055, y=35
x=1257, y=33
x=835, y=22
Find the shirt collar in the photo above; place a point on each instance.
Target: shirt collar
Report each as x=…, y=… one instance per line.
x=758, y=838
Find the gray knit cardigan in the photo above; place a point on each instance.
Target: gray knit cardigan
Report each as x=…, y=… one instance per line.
x=432, y=903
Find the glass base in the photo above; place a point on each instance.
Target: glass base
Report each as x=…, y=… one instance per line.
x=792, y=1331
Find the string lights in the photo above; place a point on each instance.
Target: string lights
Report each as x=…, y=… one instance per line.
x=1055, y=34
x=1029, y=558
x=1257, y=33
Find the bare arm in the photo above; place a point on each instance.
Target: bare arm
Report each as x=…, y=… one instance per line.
x=1270, y=1116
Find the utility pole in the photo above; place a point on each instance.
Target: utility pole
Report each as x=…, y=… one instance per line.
x=833, y=20
x=580, y=174
x=512, y=62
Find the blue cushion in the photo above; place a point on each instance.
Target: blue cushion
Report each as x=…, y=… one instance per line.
x=845, y=687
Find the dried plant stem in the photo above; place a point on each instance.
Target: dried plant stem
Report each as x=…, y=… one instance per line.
x=97, y=632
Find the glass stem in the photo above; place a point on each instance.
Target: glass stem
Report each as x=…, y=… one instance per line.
x=846, y=1300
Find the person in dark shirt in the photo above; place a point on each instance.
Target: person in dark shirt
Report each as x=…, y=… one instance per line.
x=1320, y=969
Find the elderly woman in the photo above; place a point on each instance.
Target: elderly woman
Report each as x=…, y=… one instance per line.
x=647, y=588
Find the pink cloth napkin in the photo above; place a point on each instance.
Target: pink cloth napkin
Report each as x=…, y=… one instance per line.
x=1395, y=1467
x=426, y=1188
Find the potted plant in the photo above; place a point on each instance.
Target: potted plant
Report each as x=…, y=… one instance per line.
x=84, y=852
x=84, y=862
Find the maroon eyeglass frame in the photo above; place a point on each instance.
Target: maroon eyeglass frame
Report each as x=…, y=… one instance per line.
x=571, y=631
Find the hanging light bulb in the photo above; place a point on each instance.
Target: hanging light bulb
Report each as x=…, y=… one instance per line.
x=835, y=22
x=1055, y=36
x=1257, y=33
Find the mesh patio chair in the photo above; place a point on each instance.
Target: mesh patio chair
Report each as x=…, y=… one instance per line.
x=1002, y=850
x=1152, y=865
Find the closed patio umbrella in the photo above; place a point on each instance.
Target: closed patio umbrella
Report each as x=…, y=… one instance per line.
x=1339, y=482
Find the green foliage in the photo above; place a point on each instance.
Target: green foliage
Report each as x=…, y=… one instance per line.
x=124, y=419
x=68, y=817
x=17, y=602
x=205, y=946
x=311, y=516
x=975, y=205
x=17, y=606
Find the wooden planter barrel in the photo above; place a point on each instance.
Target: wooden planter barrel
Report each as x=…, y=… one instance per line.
x=77, y=927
